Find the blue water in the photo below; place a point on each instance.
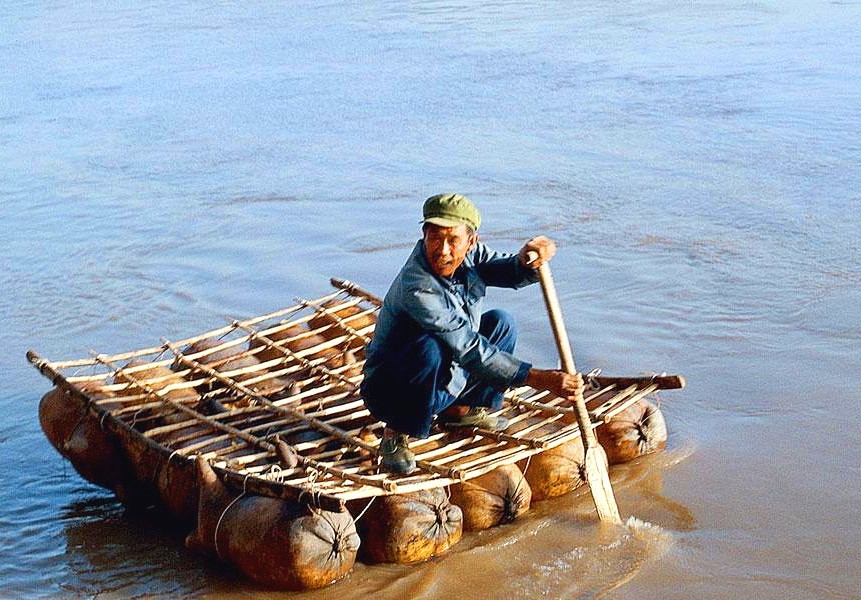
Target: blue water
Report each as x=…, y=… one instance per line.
x=166, y=165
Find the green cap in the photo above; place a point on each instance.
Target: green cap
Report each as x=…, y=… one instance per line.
x=451, y=210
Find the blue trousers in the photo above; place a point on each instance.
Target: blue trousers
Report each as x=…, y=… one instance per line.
x=406, y=394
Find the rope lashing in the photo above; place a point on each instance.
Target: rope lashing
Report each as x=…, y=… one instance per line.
x=221, y=518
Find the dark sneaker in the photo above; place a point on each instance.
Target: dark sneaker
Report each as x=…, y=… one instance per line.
x=479, y=417
x=396, y=456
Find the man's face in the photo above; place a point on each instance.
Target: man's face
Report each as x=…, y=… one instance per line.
x=446, y=247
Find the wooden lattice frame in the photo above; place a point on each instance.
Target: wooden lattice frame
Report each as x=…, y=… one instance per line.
x=295, y=427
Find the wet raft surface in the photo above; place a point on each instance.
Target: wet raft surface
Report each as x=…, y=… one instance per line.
x=273, y=404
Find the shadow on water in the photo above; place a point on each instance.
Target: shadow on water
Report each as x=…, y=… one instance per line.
x=117, y=552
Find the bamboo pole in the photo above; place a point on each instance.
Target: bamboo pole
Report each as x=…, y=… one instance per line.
x=241, y=434
x=355, y=290
x=316, y=423
x=247, y=483
x=300, y=357
x=332, y=314
x=161, y=395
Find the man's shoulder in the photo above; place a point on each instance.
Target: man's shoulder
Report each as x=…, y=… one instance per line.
x=482, y=253
x=413, y=277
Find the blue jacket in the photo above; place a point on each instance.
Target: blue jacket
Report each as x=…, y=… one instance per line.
x=450, y=308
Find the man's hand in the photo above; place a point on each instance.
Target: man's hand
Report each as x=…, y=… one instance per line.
x=558, y=383
x=544, y=247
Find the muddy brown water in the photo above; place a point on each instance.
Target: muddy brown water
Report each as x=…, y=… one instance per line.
x=166, y=165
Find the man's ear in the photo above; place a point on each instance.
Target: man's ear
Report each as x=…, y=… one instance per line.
x=474, y=240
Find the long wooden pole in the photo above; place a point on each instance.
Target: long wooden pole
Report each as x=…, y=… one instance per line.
x=596, y=459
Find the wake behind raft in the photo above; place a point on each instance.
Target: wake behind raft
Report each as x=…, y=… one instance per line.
x=253, y=437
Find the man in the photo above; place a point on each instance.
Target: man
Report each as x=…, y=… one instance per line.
x=434, y=352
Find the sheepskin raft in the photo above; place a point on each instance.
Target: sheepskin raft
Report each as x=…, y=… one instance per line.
x=269, y=408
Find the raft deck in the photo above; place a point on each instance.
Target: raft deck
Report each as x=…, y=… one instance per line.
x=295, y=426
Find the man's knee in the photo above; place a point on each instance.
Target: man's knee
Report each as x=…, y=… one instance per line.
x=425, y=358
x=498, y=326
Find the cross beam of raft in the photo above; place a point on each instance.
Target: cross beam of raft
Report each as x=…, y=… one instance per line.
x=250, y=483
x=452, y=473
x=246, y=437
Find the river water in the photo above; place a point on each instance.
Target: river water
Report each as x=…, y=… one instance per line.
x=168, y=164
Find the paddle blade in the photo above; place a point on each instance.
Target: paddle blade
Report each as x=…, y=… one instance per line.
x=599, y=484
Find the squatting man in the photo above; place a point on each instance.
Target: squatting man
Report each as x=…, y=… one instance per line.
x=434, y=351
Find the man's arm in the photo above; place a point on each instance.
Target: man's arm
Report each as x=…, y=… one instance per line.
x=513, y=271
x=558, y=383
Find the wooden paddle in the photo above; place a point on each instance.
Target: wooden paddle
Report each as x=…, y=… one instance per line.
x=596, y=459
